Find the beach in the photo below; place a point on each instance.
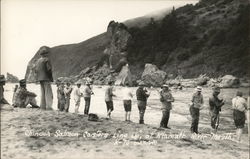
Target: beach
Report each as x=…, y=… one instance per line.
x=33, y=133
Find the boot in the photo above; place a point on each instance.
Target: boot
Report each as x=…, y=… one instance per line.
x=141, y=121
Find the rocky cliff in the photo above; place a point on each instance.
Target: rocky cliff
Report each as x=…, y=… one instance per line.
x=211, y=37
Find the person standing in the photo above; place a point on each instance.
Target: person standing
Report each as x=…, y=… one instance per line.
x=44, y=76
x=215, y=105
x=60, y=96
x=239, y=105
x=109, y=99
x=127, y=101
x=2, y=83
x=197, y=103
x=87, y=97
x=142, y=96
x=166, y=99
x=77, y=96
x=67, y=92
x=23, y=97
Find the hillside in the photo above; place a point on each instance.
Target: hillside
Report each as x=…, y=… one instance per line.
x=211, y=37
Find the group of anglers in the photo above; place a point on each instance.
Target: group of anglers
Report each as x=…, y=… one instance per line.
x=22, y=98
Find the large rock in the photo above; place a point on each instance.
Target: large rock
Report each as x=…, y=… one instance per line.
x=11, y=78
x=152, y=76
x=116, y=50
x=124, y=76
x=202, y=80
x=229, y=81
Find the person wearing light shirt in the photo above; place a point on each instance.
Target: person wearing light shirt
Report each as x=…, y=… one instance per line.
x=77, y=97
x=127, y=101
x=239, y=105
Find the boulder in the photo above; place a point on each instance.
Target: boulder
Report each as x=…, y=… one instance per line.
x=152, y=76
x=11, y=78
x=124, y=76
x=202, y=80
x=229, y=81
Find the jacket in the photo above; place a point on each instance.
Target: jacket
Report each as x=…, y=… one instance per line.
x=44, y=70
x=166, y=100
x=141, y=94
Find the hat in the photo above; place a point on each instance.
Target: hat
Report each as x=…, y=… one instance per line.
x=216, y=89
x=22, y=82
x=2, y=78
x=165, y=85
x=199, y=88
x=44, y=50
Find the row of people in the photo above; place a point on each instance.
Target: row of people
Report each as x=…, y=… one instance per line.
x=22, y=98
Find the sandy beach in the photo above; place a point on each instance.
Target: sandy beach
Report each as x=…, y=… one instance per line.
x=33, y=133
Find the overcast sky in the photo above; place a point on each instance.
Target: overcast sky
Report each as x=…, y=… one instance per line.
x=28, y=24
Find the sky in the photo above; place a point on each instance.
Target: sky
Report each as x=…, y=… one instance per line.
x=26, y=25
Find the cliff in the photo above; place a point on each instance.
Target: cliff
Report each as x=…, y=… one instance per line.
x=211, y=37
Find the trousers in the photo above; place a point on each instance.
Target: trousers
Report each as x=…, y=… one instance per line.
x=46, y=95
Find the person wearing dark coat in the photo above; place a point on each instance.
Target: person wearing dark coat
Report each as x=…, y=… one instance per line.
x=215, y=105
x=142, y=96
x=44, y=76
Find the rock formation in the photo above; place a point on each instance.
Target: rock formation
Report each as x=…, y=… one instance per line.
x=152, y=76
x=124, y=77
x=11, y=78
x=229, y=81
x=117, y=49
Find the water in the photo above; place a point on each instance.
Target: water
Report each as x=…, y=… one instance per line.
x=179, y=116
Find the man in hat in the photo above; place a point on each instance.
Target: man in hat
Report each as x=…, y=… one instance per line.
x=67, y=91
x=166, y=99
x=215, y=105
x=109, y=99
x=44, y=76
x=2, y=83
x=142, y=96
x=197, y=103
x=23, y=97
x=87, y=97
x=60, y=95
x=77, y=96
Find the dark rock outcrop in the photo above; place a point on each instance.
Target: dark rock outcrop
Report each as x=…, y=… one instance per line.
x=11, y=78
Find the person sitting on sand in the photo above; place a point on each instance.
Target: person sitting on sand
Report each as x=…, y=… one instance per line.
x=239, y=105
x=109, y=99
x=60, y=95
x=23, y=97
x=215, y=107
x=67, y=91
x=77, y=96
x=127, y=101
x=142, y=96
x=166, y=99
x=2, y=83
x=196, y=105
x=87, y=97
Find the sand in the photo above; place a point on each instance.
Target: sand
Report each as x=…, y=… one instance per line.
x=33, y=133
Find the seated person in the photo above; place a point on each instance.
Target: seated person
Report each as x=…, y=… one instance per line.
x=23, y=97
